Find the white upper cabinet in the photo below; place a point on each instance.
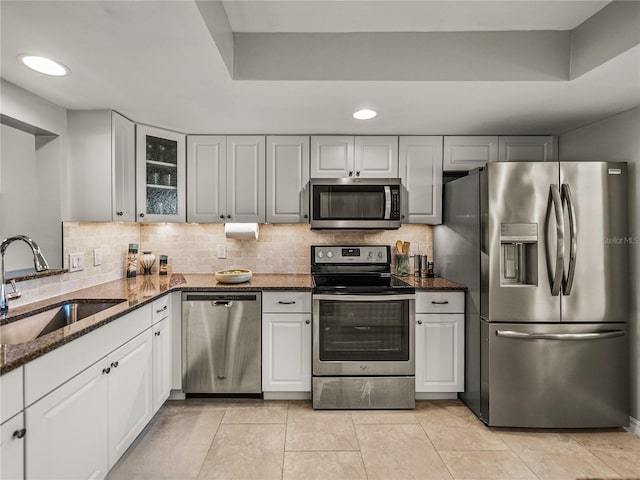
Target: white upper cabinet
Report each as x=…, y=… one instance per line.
x=421, y=174
x=347, y=156
x=528, y=149
x=206, y=178
x=245, y=178
x=287, y=179
x=160, y=179
x=101, y=159
x=464, y=153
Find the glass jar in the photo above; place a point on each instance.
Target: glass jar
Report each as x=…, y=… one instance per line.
x=402, y=264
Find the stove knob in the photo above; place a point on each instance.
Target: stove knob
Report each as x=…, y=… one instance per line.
x=320, y=254
x=329, y=254
x=370, y=254
x=379, y=254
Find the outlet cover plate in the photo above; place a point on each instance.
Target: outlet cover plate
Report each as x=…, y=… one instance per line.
x=76, y=262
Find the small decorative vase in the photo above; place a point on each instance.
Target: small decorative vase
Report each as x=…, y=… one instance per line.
x=147, y=259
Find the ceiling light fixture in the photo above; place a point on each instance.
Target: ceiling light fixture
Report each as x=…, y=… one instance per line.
x=364, y=114
x=44, y=65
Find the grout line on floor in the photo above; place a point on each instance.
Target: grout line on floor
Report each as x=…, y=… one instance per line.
x=211, y=444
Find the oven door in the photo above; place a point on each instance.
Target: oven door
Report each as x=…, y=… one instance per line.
x=363, y=335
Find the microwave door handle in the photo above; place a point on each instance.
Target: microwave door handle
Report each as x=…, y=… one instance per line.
x=387, y=203
x=559, y=270
x=573, y=240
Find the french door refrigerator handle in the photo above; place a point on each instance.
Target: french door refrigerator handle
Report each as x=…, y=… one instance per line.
x=573, y=239
x=559, y=336
x=559, y=270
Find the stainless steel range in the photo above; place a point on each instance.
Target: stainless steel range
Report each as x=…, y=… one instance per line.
x=363, y=330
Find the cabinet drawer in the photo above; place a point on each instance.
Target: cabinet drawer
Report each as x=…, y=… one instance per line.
x=161, y=308
x=440, y=302
x=11, y=398
x=285, y=301
x=56, y=367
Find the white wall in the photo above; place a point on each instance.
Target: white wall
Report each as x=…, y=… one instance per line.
x=618, y=139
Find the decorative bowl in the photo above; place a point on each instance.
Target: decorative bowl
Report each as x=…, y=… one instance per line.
x=234, y=275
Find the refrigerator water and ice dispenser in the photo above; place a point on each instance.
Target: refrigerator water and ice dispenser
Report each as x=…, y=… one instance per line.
x=519, y=254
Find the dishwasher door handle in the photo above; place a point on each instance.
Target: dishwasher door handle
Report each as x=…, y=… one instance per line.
x=222, y=303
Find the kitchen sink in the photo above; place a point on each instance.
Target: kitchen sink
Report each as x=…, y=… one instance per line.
x=52, y=319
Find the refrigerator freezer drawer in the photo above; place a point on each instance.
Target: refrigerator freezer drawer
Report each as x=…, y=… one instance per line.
x=555, y=376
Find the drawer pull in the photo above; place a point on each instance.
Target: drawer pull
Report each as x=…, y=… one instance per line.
x=19, y=433
x=106, y=370
x=114, y=364
x=286, y=303
x=162, y=309
x=444, y=302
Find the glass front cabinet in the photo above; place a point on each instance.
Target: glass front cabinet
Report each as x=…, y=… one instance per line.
x=161, y=180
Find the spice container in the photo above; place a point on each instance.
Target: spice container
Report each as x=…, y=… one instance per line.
x=423, y=266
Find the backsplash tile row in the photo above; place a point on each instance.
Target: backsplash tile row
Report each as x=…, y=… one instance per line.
x=192, y=248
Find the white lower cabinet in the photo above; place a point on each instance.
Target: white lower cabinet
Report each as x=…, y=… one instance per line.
x=161, y=362
x=439, y=342
x=129, y=393
x=12, y=435
x=286, y=343
x=67, y=429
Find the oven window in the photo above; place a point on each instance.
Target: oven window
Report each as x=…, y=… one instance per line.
x=364, y=331
x=348, y=203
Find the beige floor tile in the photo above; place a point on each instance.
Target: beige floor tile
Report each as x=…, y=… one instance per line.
x=522, y=441
x=399, y=452
x=174, y=447
x=489, y=465
x=624, y=463
x=323, y=466
x=379, y=417
x=309, y=429
x=447, y=413
x=460, y=434
x=608, y=440
x=566, y=466
x=249, y=451
x=268, y=412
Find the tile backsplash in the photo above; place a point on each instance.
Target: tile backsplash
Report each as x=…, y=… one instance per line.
x=193, y=248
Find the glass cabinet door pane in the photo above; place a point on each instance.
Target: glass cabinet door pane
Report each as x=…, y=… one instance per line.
x=161, y=172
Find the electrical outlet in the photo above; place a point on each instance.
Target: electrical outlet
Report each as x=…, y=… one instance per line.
x=97, y=257
x=222, y=251
x=76, y=262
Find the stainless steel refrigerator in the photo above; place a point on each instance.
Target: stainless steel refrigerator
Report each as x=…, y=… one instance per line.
x=542, y=248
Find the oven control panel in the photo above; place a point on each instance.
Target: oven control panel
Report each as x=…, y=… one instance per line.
x=350, y=254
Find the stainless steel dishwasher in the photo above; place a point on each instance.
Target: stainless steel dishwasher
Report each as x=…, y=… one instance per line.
x=221, y=346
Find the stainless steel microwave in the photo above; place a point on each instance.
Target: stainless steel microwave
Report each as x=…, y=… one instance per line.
x=355, y=203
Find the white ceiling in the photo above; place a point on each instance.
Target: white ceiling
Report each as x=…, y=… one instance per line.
x=157, y=63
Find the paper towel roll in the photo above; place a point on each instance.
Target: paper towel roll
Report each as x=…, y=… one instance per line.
x=241, y=231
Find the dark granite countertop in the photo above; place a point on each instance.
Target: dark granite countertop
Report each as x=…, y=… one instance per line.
x=141, y=290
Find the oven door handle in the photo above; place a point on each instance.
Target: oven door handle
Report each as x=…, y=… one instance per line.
x=364, y=298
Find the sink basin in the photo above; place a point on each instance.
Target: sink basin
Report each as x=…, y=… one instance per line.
x=39, y=324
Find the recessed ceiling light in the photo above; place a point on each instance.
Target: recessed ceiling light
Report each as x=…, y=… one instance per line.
x=364, y=114
x=44, y=65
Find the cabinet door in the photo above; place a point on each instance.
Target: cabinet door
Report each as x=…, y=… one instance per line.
x=465, y=153
x=376, y=157
x=12, y=448
x=206, y=178
x=67, y=429
x=287, y=179
x=286, y=352
x=123, y=163
x=332, y=156
x=440, y=353
x=130, y=392
x=161, y=362
x=528, y=149
x=421, y=174
x=160, y=168
x=245, y=179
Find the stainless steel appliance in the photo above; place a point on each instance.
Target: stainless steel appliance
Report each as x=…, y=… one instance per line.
x=221, y=340
x=542, y=249
x=355, y=203
x=363, y=330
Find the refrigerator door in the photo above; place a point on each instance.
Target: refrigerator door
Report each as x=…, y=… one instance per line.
x=556, y=375
x=521, y=240
x=596, y=277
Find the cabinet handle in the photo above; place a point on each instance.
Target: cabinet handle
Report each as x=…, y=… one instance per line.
x=19, y=433
x=114, y=364
x=221, y=216
x=228, y=216
x=307, y=321
x=162, y=309
x=157, y=334
x=358, y=173
x=351, y=173
x=106, y=370
x=221, y=377
x=306, y=216
x=419, y=322
x=286, y=303
x=119, y=214
x=142, y=215
x=440, y=303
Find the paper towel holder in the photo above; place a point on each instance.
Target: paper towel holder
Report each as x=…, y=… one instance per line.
x=241, y=231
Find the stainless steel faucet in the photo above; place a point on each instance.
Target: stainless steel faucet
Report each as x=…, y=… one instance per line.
x=39, y=262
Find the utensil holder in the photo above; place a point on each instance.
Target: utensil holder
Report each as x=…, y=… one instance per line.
x=402, y=264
